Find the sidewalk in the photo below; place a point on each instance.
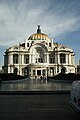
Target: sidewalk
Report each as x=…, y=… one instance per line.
x=37, y=107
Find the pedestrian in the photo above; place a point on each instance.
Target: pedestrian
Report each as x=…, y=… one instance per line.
x=41, y=79
x=35, y=77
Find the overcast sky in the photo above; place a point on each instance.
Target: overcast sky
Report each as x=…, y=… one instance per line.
x=59, y=19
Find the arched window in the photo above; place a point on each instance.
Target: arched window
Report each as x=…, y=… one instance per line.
x=62, y=58
x=15, y=58
x=39, y=55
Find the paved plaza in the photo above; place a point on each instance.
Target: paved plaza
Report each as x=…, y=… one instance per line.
x=33, y=85
x=35, y=100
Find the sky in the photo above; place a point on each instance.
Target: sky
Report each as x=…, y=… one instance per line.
x=59, y=19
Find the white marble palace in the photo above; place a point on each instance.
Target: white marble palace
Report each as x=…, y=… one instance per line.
x=39, y=56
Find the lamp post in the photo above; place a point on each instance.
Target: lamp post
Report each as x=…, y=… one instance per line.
x=47, y=73
x=19, y=59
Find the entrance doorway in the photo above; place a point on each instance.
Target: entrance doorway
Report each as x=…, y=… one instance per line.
x=38, y=72
x=63, y=70
x=15, y=71
x=43, y=72
x=26, y=71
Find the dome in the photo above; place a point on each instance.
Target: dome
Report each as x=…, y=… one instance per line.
x=39, y=35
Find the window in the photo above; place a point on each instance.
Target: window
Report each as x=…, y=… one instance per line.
x=26, y=59
x=32, y=42
x=38, y=72
x=75, y=100
x=36, y=60
x=33, y=72
x=43, y=72
x=40, y=60
x=79, y=102
x=49, y=44
x=51, y=58
x=27, y=44
x=39, y=55
x=62, y=58
x=15, y=58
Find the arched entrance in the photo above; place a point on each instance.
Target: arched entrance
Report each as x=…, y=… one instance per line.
x=26, y=71
x=15, y=71
x=63, y=70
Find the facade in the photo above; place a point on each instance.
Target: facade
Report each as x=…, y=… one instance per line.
x=78, y=68
x=39, y=56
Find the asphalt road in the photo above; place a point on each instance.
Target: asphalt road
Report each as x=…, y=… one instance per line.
x=37, y=107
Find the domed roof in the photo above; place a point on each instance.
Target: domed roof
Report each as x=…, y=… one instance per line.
x=39, y=35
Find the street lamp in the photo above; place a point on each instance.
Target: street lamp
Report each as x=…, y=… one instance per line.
x=47, y=73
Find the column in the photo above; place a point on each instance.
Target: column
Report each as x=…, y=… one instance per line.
x=58, y=57
x=31, y=71
x=11, y=59
x=73, y=59
x=33, y=60
x=51, y=72
x=35, y=71
x=70, y=59
x=8, y=69
x=22, y=58
x=41, y=73
x=67, y=58
x=55, y=58
x=8, y=59
x=47, y=58
x=47, y=73
x=29, y=58
x=52, y=43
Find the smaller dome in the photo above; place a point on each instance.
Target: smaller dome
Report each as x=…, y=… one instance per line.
x=39, y=35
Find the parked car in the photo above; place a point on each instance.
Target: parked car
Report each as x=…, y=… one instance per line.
x=75, y=95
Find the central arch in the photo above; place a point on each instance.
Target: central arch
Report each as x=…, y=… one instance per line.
x=38, y=52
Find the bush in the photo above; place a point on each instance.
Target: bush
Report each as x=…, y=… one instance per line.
x=69, y=76
x=10, y=76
